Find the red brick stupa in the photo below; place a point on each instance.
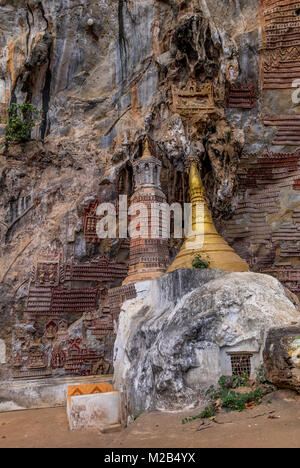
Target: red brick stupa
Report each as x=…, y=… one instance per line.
x=149, y=257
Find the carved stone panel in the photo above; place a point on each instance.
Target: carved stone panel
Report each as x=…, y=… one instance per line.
x=288, y=129
x=64, y=301
x=193, y=99
x=282, y=24
x=241, y=97
x=90, y=223
x=100, y=269
x=281, y=67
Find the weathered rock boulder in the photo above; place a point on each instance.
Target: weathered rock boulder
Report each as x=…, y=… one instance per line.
x=177, y=337
x=282, y=357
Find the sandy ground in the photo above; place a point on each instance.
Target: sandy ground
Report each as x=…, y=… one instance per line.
x=275, y=423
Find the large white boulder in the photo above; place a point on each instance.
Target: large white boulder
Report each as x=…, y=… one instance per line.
x=176, y=338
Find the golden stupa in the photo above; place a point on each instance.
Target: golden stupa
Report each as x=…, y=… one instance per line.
x=207, y=241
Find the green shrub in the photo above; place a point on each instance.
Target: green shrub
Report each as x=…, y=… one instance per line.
x=21, y=119
x=237, y=401
x=240, y=381
x=227, y=398
x=209, y=412
x=199, y=263
x=260, y=378
x=138, y=415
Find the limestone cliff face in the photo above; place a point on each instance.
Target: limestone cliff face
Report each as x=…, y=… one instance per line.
x=189, y=73
x=105, y=73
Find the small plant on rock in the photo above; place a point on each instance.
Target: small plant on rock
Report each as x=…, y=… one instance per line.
x=138, y=415
x=21, y=119
x=260, y=378
x=208, y=412
x=200, y=263
x=225, y=397
x=240, y=381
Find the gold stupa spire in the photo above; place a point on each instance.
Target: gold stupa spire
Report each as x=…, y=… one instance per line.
x=146, y=153
x=207, y=241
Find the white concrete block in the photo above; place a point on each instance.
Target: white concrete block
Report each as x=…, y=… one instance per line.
x=93, y=411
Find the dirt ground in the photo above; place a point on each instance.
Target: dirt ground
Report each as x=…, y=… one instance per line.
x=275, y=423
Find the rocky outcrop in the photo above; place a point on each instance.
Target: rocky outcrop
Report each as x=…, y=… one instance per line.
x=282, y=357
x=178, y=336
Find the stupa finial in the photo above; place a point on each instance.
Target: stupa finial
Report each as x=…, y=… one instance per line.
x=196, y=186
x=146, y=153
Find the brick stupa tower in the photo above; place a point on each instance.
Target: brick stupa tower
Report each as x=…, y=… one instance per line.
x=149, y=257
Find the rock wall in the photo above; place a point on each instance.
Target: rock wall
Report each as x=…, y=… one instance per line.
x=264, y=228
x=282, y=357
x=198, y=77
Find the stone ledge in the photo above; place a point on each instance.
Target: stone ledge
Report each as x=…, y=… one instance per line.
x=36, y=394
